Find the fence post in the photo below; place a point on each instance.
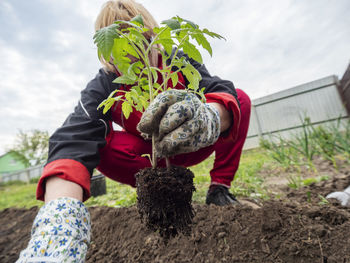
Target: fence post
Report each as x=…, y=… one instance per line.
x=343, y=87
x=257, y=121
x=28, y=176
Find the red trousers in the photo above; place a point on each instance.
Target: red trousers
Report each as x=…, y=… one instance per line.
x=121, y=157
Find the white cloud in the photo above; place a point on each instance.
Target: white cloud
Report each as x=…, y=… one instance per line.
x=36, y=93
x=47, y=54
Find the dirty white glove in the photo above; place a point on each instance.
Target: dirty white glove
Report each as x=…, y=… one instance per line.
x=181, y=123
x=342, y=197
x=60, y=233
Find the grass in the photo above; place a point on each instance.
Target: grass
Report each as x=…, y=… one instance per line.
x=18, y=195
x=247, y=183
x=118, y=195
x=328, y=141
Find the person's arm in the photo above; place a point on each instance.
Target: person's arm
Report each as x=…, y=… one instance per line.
x=65, y=182
x=57, y=188
x=225, y=117
x=74, y=147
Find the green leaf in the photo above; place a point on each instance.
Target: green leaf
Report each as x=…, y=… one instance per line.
x=143, y=81
x=154, y=74
x=117, y=98
x=112, y=93
x=128, y=97
x=126, y=109
x=119, y=54
x=108, y=104
x=132, y=25
x=195, y=26
x=192, y=75
x=181, y=34
x=166, y=43
x=136, y=36
x=135, y=94
x=172, y=23
x=192, y=51
x=138, y=19
x=144, y=102
x=163, y=32
x=156, y=30
x=126, y=79
x=104, y=39
x=102, y=104
x=194, y=71
x=121, y=48
x=137, y=89
x=144, y=30
x=178, y=19
x=131, y=50
x=212, y=34
x=99, y=54
x=145, y=94
x=201, y=94
x=135, y=69
x=139, y=107
x=145, y=87
x=201, y=40
x=174, y=78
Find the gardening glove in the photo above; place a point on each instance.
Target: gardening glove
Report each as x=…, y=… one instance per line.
x=342, y=197
x=60, y=233
x=180, y=122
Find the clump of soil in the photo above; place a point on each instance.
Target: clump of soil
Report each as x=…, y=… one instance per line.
x=164, y=198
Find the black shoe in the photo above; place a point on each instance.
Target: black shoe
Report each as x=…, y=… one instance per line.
x=219, y=195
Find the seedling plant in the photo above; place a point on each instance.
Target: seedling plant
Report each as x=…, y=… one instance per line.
x=124, y=44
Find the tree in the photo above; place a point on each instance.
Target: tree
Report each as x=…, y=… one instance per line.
x=31, y=147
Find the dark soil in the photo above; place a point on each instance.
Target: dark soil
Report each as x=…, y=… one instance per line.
x=164, y=197
x=296, y=228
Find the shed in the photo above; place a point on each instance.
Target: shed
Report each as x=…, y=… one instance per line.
x=9, y=163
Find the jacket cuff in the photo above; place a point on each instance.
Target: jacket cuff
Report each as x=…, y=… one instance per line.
x=231, y=104
x=66, y=169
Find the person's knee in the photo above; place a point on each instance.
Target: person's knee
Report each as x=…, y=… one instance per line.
x=245, y=106
x=56, y=187
x=244, y=100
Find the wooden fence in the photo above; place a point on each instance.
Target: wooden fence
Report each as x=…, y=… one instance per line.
x=23, y=175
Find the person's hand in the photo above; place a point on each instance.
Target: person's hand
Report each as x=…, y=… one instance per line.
x=343, y=197
x=180, y=122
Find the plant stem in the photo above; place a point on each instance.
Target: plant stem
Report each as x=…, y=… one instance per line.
x=168, y=164
x=154, y=157
x=133, y=45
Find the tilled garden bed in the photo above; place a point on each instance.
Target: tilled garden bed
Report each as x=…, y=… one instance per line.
x=296, y=228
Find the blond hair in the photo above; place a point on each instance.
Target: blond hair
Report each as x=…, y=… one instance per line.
x=125, y=10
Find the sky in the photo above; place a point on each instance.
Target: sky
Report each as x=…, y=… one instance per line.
x=47, y=54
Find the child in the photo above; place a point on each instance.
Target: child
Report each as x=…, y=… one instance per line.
x=86, y=140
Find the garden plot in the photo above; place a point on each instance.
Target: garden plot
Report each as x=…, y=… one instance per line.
x=297, y=227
